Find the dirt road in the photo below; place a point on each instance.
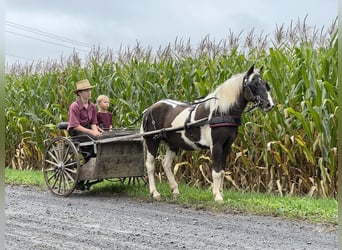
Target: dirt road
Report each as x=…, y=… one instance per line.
x=39, y=220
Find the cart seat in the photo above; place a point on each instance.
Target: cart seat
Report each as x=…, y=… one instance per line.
x=77, y=138
x=62, y=125
x=79, y=141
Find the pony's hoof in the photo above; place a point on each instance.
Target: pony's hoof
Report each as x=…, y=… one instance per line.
x=219, y=199
x=175, y=196
x=156, y=197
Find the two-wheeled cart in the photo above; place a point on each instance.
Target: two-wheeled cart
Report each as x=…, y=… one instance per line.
x=116, y=155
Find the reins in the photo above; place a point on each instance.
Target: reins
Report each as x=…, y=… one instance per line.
x=202, y=101
x=138, y=119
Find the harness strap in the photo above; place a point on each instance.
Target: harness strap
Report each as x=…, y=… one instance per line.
x=161, y=135
x=225, y=121
x=188, y=119
x=219, y=121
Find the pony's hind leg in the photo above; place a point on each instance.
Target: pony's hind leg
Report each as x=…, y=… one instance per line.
x=167, y=163
x=150, y=165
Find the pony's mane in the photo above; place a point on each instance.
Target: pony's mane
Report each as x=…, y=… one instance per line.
x=226, y=95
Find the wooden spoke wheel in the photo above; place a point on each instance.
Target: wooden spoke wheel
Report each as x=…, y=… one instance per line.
x=61, y=166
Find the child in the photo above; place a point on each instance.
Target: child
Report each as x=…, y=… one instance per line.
x=104, y=118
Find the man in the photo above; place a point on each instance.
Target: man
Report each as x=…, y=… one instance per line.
x=83, y=121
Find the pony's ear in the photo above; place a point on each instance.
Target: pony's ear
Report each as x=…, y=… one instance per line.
x=250, y=71
x=261, y=69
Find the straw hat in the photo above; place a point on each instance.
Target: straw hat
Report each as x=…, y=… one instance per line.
x=82, y=85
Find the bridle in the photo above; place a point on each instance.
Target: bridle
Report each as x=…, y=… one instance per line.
x=257, y=103
x=256, y=98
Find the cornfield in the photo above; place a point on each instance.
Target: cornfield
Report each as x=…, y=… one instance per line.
x=291, y=150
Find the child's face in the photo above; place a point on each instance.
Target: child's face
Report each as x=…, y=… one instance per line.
x=104, y=104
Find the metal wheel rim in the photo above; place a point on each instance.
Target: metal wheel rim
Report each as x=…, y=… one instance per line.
x=61, y=166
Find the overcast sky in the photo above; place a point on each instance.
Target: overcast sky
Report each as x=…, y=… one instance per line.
x=40, y=29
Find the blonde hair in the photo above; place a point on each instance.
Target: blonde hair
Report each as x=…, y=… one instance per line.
x=100, y=98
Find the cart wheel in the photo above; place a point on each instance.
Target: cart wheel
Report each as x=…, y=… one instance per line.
x=61, y=166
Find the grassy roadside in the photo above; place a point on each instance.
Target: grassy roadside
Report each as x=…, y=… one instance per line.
x=305, y=208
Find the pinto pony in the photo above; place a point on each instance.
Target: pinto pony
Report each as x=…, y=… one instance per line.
x=211, y=123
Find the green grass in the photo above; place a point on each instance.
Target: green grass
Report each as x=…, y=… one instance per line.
x=304, y=208
x=24, y=177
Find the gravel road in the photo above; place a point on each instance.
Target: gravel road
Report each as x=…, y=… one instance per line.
x=37, y=219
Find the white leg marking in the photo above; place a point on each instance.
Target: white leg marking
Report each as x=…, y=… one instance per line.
x=167, y=163
x=221, y=183
x=218, y=185
x=150, y=160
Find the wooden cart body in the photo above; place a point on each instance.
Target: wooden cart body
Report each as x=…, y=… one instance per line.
x=115, y=159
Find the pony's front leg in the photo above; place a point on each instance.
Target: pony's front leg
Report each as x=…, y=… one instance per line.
x=218, y=185
x=219, y=156
x=217, y=173
x=167, y=163
x=150, y=165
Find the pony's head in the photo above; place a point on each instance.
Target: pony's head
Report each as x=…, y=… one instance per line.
x=256, y=90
